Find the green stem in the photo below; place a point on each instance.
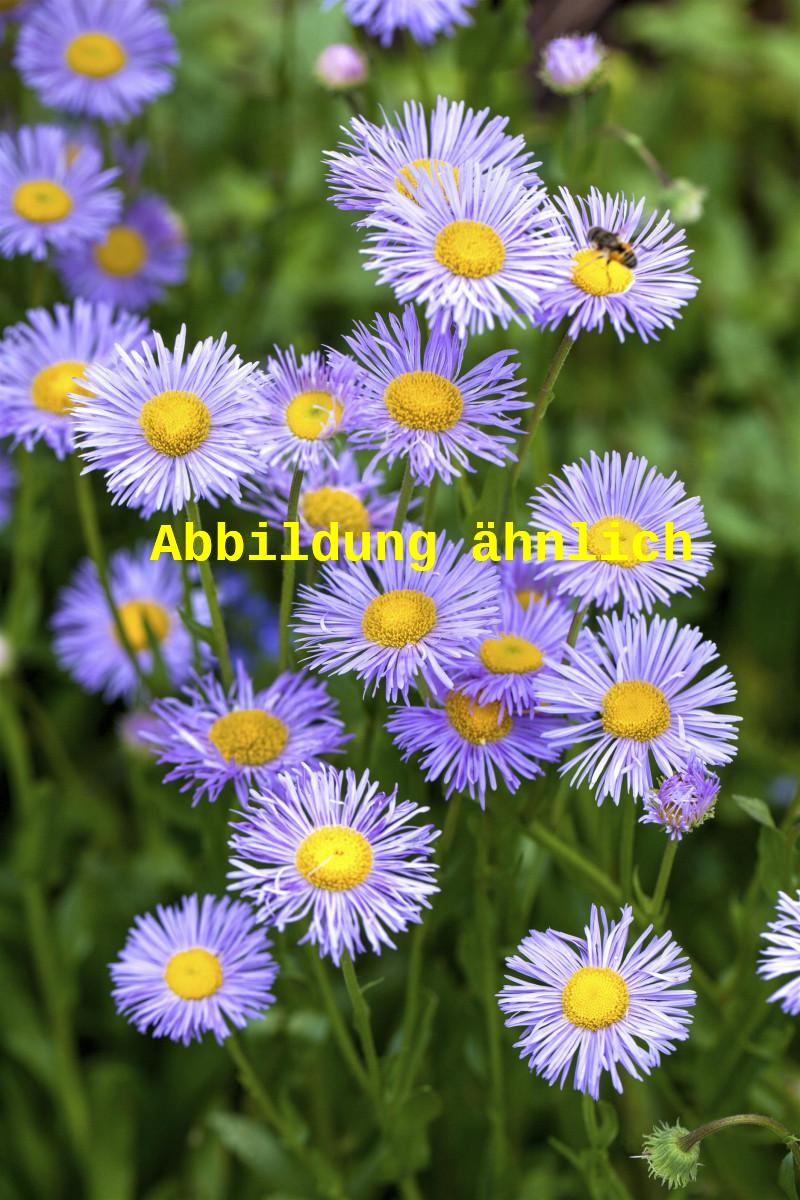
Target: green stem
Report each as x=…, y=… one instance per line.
x=598, y=1165
x=215, y=612
x=87, y=511
x=662, y=882
x=493, y=1021
x=626, y=847
x=546, y=393
x=345, y=1042
x=785, y=1135
x=22, y=605
x=577, y=625
x=363, y=1026
x=197, y=661
x=404, y=498
x=571, y=858
x=289, y=568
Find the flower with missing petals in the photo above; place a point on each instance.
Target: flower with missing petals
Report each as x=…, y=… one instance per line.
x=683, y=801
x=591, y=1002
x=331, y=846
x=195, y=967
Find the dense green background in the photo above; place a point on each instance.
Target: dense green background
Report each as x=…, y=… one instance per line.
x=713, y=88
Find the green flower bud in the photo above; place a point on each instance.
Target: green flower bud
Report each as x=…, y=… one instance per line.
x=665, y=1159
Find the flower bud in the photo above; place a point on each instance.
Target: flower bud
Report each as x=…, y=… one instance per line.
x=340, y=67
x=572, y=64
x=666, y=1161
x=685, y=200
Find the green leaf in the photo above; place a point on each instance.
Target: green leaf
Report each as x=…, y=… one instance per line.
x=256, y=1147
x=787, y=1178
x=757, y=809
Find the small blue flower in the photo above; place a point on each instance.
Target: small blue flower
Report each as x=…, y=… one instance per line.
x=423, y=19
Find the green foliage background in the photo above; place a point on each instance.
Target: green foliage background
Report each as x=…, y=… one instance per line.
x=90, y=1108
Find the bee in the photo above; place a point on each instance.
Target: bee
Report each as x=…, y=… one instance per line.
x=612, y=247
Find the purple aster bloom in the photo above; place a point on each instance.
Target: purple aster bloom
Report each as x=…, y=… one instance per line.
x=619, y=503
x=8, y=483
x=340, y=67
x=588, y=997
x=49, y=197
x=332, y=490
x=331, y=845
x=572, y=64
x=683, y=801
x=390, y=622
x=377, y=162
x=525, y=581
x=97, y=58
x=472, y=747
x=136, y=261
x=510, y=663
x=43, y=365
x=644, y=295
x=477, y=251
x=148, y=596
x=782, y=953
x=13, y=10
x=244, y=737
x=423, y=19
x=167, y=428
x=633, y=697
x=198, y=966
x=302, y=406
x=418, y=404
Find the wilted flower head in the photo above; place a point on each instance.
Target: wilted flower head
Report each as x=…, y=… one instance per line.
x=423, y=19
x=666, y=1159
x=341, y=66
x=572, y=64
x=683, y=800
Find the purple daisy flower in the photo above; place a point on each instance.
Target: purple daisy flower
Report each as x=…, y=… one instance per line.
x=573, y=64
x=302, y=406
x=376, y=162
x=331, y=845
x=8, y=483
x=472, y=747
x=13, y=10
x=633, y=696
x=136, y=261
x=96, y=58
x=43, y=365
x=619, y=503
x=476, y=252
x=148, y=596
x=417, y=404
x=244, y=737
x=49, y=197
x=588, y=997
x=639, y=282
x=525, y=581
x=391, y=623
x=166, y=428
x=510, y=664
x=782, y=953
x=332, y=491
x=423, y=19
x=195, y=967
x=683, y=801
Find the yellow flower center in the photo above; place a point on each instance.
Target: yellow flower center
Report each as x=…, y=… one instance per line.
x=527, y=597
x=470, y=248
x=510, y=655
x=42, y=201
x=52, y=386
x=249, y=737
x=476, y=723
x=194, y=974
x=399, y=618
x=424, y=400
x=313, y=413
x=595, y=997
x=604, y=536
x=137, y=616
x=96, y=55
x=637, y=710
x=597, y=275
x=175, y=422
x=321, y=506
x=335, y=858
x=408, y=176
x=124, y=252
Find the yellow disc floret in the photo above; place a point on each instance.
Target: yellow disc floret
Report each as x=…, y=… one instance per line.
x=471, y=249
x=52, y=386
x=249, y=737
x=605, y=535
x=424, y=400
x=137, y=616
x=479, y=724
x=510, y=655
x=95, y=55
x=409, y=176
x=335, y=858
x=322, y=506
x=399, y=618
x=194, y=974
x=123, y=253
x=597, y=275
x=595, y=997
x=310, y=414
x=175, y=423
x=637, y=710
x=42, y=201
